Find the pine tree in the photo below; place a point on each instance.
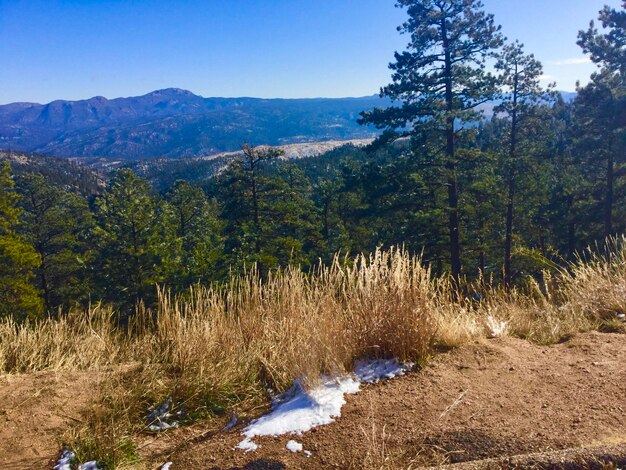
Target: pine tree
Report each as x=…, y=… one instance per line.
x=131, y=244
x=56, y=223
x=269, y=216
x=439, y=81
x=608, y=48
x=601, y=105
x=520, y=77
x=600, y=143
x=196, y=225
x=18, y=259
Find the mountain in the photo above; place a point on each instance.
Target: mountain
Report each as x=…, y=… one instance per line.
x=176, y=123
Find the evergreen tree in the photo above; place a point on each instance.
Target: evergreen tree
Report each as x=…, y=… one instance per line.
x=18, y=259
x=608, y=48
x=56, y=223
x=439, y=81
x=520, y=77
x=131, y=244
x=197, y=227
x=269, y=220
x=600, y=143
x=601, y=105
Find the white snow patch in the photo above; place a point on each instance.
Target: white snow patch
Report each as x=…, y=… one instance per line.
x=294, y=446
x=233, y=421
x=89, y=466
x=298, y=410
x=302, y=410
x=64, y=462
x=66, y=458
x=166, y=466
x=160, y=418
x=375, y=370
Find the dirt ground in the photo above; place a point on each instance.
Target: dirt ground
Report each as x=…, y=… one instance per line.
x=36, y=410
x=488, y=399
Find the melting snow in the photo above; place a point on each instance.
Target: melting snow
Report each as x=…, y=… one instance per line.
x=158, y=418
x=299, y=410
x=232, y=423
x=294, y=446
x=66, y=459
x=375, y=370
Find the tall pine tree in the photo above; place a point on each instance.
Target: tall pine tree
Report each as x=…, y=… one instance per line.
x=520, y=77
x=439, y=81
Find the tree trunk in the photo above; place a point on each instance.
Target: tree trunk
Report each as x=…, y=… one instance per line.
x=571, y=227
x=255, y=209
x=453, y=195
x=508, y=242
x=44, y=283
x=608, y=205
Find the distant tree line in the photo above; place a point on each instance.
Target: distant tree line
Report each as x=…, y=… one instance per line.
x=505, y=197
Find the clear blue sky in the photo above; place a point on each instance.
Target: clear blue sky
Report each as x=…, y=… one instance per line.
x=75, y=49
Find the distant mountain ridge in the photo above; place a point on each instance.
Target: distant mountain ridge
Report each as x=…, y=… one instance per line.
x=176, y=123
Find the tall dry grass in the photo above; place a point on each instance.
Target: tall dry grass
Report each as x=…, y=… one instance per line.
x=270, y=331
x=80, y=340
x=238, y=341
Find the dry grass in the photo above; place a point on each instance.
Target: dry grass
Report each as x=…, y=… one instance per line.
x=217, y=348
x=77, y=341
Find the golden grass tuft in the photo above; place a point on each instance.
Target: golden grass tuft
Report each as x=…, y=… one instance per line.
x=80, y=340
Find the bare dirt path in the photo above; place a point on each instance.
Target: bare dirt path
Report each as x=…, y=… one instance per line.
x=489, y=399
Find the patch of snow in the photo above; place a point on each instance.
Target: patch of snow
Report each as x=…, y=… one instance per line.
x=298, y=410
x=166, y=466
x=308, y=453
x=89, y=466
x=496, y=328
x=375, y=370
x=247, y=445
x=621, y=316
x=64, y=463
x=232, y=423
x=159, y=419
x=302, y=411
x=294, y=446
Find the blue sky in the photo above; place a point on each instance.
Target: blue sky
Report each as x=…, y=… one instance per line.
x=75, y=49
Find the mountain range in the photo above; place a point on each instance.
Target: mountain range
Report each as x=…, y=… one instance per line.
x=176, y=123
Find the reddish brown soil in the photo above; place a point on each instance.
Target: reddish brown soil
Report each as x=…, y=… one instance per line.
x=492, y=398
x=488, y=399
x=36, y=410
